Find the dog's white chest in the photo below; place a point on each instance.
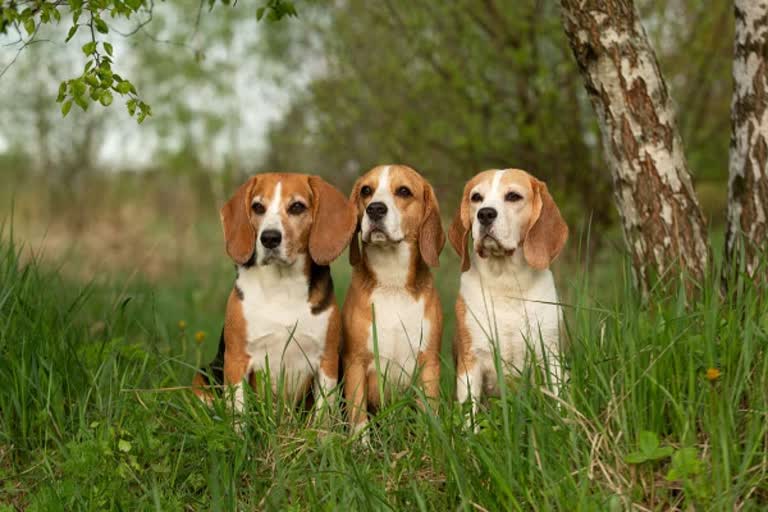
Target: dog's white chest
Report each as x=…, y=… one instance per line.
x=514, y=318
x=281, y=331
x=402, y=332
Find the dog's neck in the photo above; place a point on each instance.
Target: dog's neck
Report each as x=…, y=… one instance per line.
x=393, y=265
x=290, y=280
x=511, y=273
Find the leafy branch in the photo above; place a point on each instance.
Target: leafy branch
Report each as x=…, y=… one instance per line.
x=98, y=82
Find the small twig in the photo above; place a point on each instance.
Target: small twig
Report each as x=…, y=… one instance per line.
x=141, y=25
x=96, y=55
x=197, y=19
x=29, y=42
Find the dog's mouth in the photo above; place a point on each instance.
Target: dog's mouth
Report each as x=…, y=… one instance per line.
x=377, y=235
x=273, y=257
x=489, y=245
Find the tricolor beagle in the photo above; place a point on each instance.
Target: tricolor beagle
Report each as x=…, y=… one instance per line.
x=401, y=235
x=282, y=231
x=507, y=300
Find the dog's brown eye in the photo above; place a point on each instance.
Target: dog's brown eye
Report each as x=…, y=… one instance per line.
x=512, y=197
x=297, y=208
x=403, y=192
x=258, y=208
x=366, y=191
x=476, y=197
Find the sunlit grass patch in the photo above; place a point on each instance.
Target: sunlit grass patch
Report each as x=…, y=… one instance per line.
x=664, y=407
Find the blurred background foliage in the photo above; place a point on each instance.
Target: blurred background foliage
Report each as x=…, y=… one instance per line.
x=450, y=89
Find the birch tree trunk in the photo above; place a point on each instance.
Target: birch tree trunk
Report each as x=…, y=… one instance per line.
x=663, y=225
x=748, y=167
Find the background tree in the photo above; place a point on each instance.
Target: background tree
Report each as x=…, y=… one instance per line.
x=470, y=86
x=748, y=170
x=476, y=84
x=661, y=219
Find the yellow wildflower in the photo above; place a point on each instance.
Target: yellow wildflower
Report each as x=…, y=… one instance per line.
x=182, y=324
x=200, y=336
x=713, y=374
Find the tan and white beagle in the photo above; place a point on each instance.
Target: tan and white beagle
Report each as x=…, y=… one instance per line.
x=401, y=236
x=507, y=301
x=282, y=231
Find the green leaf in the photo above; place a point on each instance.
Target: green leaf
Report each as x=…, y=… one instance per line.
x=106, y=98
x=123, y=87
x=108, y=48
x=133, y=4
x=62, y=92
x=91, y=79
x=145, y=111
x=89, y=47
x=635, y=458
x=131, y=106
x=104, y=72
x=685, y=464
x=647, y=442
x=124, y=446
x=71, y=33
x=81, y=102
x=66, y=107
x=661, y=453
x=260, y=13
x=29, y=25
x=101, y=25
x=78, y=88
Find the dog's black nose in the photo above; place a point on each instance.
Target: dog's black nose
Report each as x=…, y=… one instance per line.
x=486, y=216
x=270, y=238
x=376, y=211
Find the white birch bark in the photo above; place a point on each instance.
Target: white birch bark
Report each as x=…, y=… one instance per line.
x=663, y=225
x=748, y=167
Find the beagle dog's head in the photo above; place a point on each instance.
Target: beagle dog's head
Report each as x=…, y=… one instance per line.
x=506, y=210
x=275, y=217
x=395, y=204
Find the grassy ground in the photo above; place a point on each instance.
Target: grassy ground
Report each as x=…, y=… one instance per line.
x=90, y=419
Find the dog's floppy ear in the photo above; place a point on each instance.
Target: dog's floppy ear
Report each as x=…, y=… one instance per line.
x=239, y=234
x=333, y=222
x=431, y=235
x=458, y=233
x=547, y=230
x=354, y=246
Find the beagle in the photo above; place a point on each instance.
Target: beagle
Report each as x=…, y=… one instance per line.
x=282, y=231
x=392, y=307
x=507, y=300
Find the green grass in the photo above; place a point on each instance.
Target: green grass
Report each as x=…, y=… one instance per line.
x=89, y=419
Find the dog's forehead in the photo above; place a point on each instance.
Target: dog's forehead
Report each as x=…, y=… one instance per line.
x=400, y=175
x=501, y=180
x=291, y=185
x=395, y=176
x=372, y=177
x=516, y=177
